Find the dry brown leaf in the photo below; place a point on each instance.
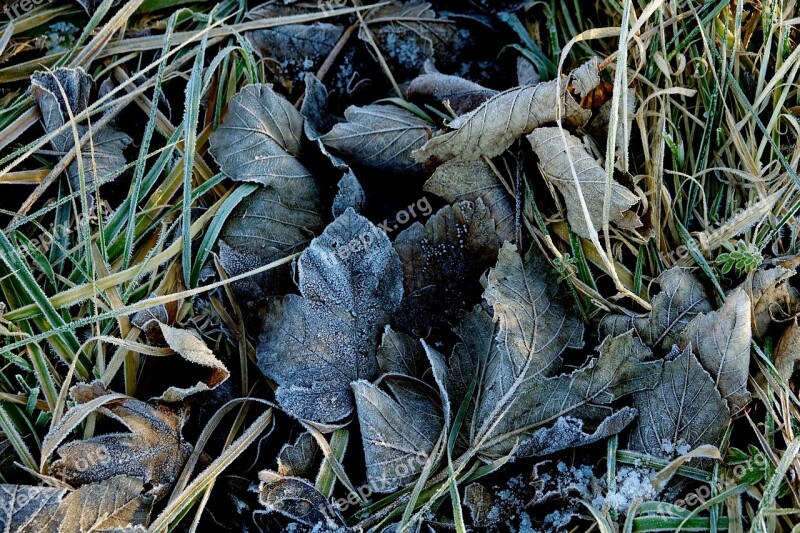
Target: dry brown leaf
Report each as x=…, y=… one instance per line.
x=772, y=296
x=119, y=503
x=555, y=160
x=787, y=352
x=192, y=348
x=491, y=128
x=153, y=451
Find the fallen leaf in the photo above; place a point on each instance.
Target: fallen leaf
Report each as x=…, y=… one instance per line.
x=350, y=194
x=260, y=138
x=291, y=50
x=192, y=348
x=787, y=352
x=442, y=264
x=479, y=501
x=599, y=125
x=577, y=176
x=681, y=298
x=684, y=410
x=721, y=339
x=490, y=129
x=350, y=279
x=268, y=225
x=772, y=296
x=153, y=451
x=401, y=354
x=456, y=181
x=379, y=136
x=295, y=498
x=462, y=95
x=297, y=460
x=100, y=157
x=399, y=429
x=586, y=77
x=115, y=504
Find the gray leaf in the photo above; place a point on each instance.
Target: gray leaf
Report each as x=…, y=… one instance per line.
x=490, y=129
x=350, y=279
x=400, y=354
x=462, y=95
x=684, y=409
x=586, y=77
x=260, y=138
x=770, y=293
x=477, y=331
x=101, y=157
x=515, y=403
x=381, y=137
x=295, y=498
x=721, y=340
x=350, y=194
x=293, y=49
x=119, y=502
x=46, y=88
x=398, y=431
x=314, y=109
x=558, y=162
x=442, y=264
x=682, y=297
x=297, y=460
x=568, y=432
x=456, y=181
x=266, y=226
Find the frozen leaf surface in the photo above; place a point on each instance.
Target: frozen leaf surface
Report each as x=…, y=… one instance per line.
x=685, y=408
x=298, y=459
x=119, y=502
x=401, y=354
x=555, y=158
x=721, y=340
x=102, y=156
x=192, y=348
x=350, y=194
x=787, y=352
x=266, y=226
x=463, y=95
x=456, y=181
x=682, y=297
x=379, y=136
x=491, y=128
x=153, y=451
x=351, y=281
x=293, y=497
x=772, y=296
x=399, y=429
x=442, y=264
x=260, y=138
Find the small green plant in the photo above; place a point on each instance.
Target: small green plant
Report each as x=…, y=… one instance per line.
x=744, y=258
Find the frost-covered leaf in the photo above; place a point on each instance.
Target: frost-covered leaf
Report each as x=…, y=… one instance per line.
x=787, y=352
x=557, y=163
x=102, y=156
x=456, y=181
x=351, y=281
x=350, y=194
x=462, y=95
x=410, y=33
x=295, y=498
x=682, y=297
x=379, y=136
x=442, y=264
x=721, y=340
x=293, y=49
x=260, y=138
x=153, y=451
x=491, y=128
x=401, y=354
x=568, y=432
x=586, y=77
x=398, y=430
x=772, y=296
x=120, y=502
x=266, y=226
x=598, y=127
x=477, y=331
x=297, y=460
x=517, y=401
x=683, y=411
x=317, y=119
x=192, y=348
x=479, y=500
